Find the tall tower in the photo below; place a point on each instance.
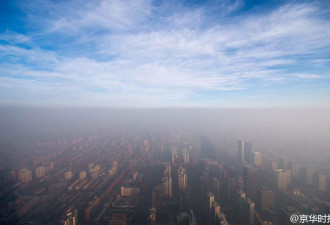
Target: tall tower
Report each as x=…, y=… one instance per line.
x=167, y=171
x=281, y=179
x=216, y=188
x=210, y=197
x=309, y=175
x=182, y=178
x=167, y=182
x=185, y=156
x=240, y=150
x=257, y=159
x=322, y=182
x=249, y=152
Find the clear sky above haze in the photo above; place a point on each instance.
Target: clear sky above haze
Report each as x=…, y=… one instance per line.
x=140, y=53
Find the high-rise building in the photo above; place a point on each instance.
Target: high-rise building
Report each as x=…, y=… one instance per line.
x=168, y=171
x=185, y=156
x=215, y=213
x=82, y=175
x=257, y=159
x=288, y=176
x=167, y=187
x=249, y=152
x=71, y=217
x=40, y=172
x=25, y=175
x=321, y=182
x=182, y=178
x=174, y=155
x=294, y=166
x=210, y=198
x=68, y=175
x=207, y=147
x=240, y=150
x=280, y=179
x=309, y=175
x=216, y=188
x=251, y=181
x=265, y=198
x=248, y=211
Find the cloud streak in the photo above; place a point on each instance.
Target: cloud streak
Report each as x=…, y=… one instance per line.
x=140, y=53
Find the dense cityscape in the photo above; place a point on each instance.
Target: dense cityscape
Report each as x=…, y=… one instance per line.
x=164, y=112
x=157, y=177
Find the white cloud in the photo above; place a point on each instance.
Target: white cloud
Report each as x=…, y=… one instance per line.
x=156, y=59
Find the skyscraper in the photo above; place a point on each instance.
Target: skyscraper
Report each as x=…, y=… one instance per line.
x=309, y=175
x=207, y=147
x=168, y=171
x=265, y=198
x=25, y=175
x=216, y=188
x=185, y=156
x=40, y=172
x=215, y=213
x=249, y=152
x=248, y=211
x=280, y=179
x=240, y=150
x=257, y=159
x=250, y=178
x=321, y=182
x=174, y=155
x=210, y=198
x=167, y=187
x=182, y=178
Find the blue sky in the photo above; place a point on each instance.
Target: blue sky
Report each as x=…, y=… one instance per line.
x=141, y=53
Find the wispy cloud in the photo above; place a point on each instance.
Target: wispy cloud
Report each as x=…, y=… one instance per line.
x=143, y=53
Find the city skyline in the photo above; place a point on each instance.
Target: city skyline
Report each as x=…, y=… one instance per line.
x=165, y=54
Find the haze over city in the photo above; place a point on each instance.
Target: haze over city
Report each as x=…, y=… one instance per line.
x=164, y=112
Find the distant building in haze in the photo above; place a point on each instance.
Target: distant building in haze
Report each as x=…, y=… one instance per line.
x=40, y=172
x=68, y=175
x=240, y=150
x=25, y=175
x=251, y=181
x=280, y=179
x=210, y=198
x=257, y=159
x=321, y=182
x=265, y=198
x=309, y=175
x=185, y=156
x=82, y=175
x=182, y=178
x=167, y=187
x=207, y=147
